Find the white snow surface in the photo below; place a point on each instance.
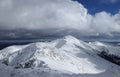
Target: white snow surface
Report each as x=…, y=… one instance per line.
x=65, y=57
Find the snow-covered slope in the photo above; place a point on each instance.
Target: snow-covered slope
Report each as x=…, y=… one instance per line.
x=64, y=57
x=110, y=49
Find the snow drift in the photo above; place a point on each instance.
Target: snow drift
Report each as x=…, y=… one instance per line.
x=63, y=57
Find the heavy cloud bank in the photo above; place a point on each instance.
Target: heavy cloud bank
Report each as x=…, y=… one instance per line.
x=61, y=14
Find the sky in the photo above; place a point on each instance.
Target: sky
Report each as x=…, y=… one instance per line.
x=95, y=6
x=87, y=16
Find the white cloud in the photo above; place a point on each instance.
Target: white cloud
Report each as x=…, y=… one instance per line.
x=37, y=14
x=40, y=14
x=104, y=22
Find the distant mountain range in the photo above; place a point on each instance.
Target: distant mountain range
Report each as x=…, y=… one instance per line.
x=22, y=34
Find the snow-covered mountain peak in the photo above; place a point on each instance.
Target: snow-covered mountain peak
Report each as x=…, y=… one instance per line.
x=66, y=55
x=71, y=39
x=99, y=43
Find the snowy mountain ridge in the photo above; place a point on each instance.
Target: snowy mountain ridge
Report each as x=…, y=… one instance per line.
x=67, y=55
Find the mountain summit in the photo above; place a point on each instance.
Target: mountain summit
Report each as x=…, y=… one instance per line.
x=64, y=57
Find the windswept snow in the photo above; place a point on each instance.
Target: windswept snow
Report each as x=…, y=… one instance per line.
x=65, y=57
